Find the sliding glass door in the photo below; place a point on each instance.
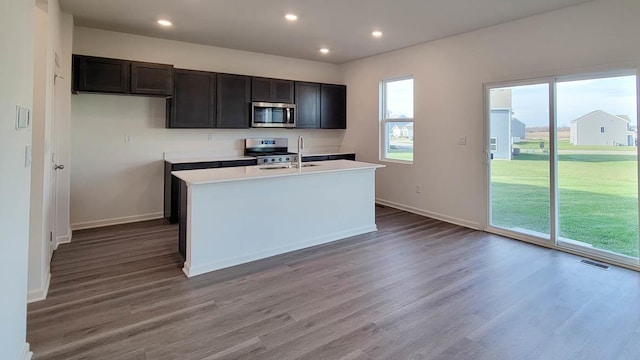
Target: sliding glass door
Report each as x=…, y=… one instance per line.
x=598, y=164
x=563, y=166
x=519, y=158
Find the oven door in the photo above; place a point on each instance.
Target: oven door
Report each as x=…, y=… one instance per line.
x=273, y=115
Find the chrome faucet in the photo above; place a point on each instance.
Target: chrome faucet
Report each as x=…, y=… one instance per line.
x=300, y=147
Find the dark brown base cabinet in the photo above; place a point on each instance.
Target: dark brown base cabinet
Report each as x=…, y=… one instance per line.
x=351, y=157
x=115, y=76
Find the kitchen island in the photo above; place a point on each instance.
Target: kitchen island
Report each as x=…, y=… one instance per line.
x=230, y=216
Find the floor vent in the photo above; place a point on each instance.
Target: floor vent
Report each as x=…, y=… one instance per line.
x=596, y=264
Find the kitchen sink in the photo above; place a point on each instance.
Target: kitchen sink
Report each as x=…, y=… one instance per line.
x=287, y=166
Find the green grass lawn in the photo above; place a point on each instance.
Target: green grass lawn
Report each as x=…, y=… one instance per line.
x=597, y=198
x=400, y=154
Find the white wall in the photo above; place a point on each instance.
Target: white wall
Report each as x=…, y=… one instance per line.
x=449, y=76
x=16, y=40
x=115, y=182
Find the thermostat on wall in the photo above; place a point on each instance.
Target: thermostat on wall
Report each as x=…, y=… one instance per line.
x=23, y=117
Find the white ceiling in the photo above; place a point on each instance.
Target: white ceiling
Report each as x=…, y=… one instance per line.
x=344, y=26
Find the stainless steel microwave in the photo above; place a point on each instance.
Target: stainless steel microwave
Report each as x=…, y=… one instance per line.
x=276, y=115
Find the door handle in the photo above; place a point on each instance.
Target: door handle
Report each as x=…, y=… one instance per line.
x=58, y=167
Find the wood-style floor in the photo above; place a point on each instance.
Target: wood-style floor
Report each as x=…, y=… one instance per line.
x=416, y=289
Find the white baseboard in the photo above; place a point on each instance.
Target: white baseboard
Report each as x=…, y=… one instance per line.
x=191, y=271
x=40, y=294
x=26, y=352
x=64, y=239
x=116, y=221
x=442, y=217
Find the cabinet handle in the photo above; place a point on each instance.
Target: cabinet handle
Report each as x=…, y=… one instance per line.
x=58, y=167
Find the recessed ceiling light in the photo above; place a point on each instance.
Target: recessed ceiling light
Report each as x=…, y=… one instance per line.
x=164, y=22
x=291, y=17
x=324, y=50
x=377, y=33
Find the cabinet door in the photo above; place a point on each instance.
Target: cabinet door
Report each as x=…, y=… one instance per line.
x=94, y=74
x=333, y=108
x=235, y=163
x=151, y=79
x=260, y=89
x=307, y=105
x=315, y=158
x=351, y=157
x=193, y=102
x=282, y=91
x=234, y=101
x=272, y=90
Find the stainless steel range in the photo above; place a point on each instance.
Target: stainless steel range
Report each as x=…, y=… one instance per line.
x=270, y=151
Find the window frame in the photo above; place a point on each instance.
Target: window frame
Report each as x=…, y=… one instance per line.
x=384, y=121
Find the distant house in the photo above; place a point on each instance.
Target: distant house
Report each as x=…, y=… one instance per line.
x=601, y=128
x=518, y=129
x=500, y=144
x=505, y=129
x=402, y=131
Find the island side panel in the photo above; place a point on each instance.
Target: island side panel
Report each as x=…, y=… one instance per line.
x=236, y=222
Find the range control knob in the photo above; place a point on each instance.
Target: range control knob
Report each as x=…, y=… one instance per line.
x=287, y=159
x=273, y=160
x=280, y=159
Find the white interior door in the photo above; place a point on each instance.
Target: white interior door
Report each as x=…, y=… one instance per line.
x=54, y=167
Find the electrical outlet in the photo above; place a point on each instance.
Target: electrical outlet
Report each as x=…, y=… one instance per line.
x=462, y=140
x=128, y=139
x=418, y=188
x=210, y=137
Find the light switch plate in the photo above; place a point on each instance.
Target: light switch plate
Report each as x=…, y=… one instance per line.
x=23, y=117
x=27, y=156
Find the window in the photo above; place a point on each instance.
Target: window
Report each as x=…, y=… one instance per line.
x=602, y=129
x=397, y=120
x=493, y=144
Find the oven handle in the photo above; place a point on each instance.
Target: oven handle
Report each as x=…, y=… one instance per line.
x=288, y=116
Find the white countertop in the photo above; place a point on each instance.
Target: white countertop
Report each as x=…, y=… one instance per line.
x=218, y=175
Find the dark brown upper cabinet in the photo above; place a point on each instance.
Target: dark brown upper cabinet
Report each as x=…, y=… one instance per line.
x=194, y=100
x=233, y=101
x=307, y=105
x=94, y=74
x=151, y=79
x=272, y=90
x=115, y=76
x=333, y=106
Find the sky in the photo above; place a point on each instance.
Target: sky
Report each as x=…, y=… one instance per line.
x=400, y=98
x=615, y=95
